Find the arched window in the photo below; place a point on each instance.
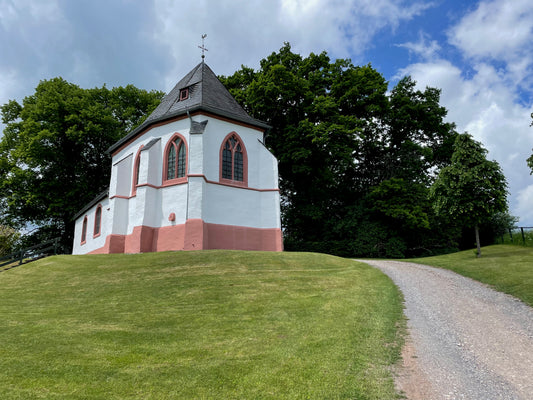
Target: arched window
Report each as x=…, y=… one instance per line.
x=136, y=170
x=84, y=231
x=97, y=221
x=233, y=166
x=175, y=165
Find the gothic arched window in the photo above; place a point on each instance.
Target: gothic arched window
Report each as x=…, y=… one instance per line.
x=175, y=165
x=84, y=231
x=233, y=166
x=136, y=170
x=97, y=221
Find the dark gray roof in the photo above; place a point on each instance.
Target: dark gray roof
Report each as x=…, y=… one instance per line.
x=150, y=144
x=205, y=92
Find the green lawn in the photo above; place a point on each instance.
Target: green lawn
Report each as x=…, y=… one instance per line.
x=506, y=268
x=198, y=325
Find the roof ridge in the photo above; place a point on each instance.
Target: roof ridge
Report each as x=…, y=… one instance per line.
x=200, y=88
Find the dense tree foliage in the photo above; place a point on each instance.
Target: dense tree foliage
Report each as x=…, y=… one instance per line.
x=355, y=160
x=471, y=190
x=53, y=151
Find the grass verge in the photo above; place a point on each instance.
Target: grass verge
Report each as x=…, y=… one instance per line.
x=198, y=325
x=506, y=268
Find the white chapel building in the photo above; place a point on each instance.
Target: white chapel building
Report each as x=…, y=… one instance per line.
x=195, y=175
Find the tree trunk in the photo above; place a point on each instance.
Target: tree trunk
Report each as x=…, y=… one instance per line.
x=478, y=254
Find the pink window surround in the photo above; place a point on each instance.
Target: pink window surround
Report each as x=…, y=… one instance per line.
x=84, y=231
x=184, y=94
x=234, y=146
x=97, y=221
x=169, y=146
x=136, y=167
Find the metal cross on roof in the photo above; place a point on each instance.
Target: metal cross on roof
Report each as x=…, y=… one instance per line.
x=202, y=46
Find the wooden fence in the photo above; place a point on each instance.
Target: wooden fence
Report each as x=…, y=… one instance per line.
x=523, y=232
x=31, y=253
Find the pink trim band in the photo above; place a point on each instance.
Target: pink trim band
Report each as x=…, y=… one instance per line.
x=195, y=234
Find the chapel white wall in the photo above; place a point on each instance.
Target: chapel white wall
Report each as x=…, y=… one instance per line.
x=214, y=203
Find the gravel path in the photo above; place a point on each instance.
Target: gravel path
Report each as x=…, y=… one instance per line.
x=466, y=341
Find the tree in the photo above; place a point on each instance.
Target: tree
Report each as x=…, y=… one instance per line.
x=8, y=239
x=53, y=152
x=472, y=189
x=339, y=134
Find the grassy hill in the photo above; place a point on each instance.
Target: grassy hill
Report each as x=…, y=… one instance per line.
x=506, y=268
x=198, y=325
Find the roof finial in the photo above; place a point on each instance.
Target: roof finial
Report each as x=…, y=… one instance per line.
x=202, y=46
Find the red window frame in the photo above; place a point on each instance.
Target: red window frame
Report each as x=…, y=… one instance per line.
x=97, y=221
x=183, y=165
x=136, y=168
x=233, y=161
x=84, y=230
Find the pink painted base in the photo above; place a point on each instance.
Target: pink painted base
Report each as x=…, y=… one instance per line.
x=195, y=234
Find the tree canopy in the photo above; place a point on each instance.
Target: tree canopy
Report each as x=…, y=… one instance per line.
x=355, y=160
x=53, y=152
x=472, y=189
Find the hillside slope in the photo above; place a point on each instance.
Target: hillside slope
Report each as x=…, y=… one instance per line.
x=211, y=324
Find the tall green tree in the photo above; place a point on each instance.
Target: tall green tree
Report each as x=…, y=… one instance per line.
x=471, y=190
x=53, y=151
x=339, y=134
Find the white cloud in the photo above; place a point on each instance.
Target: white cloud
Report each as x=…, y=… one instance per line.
x=524, y=206
x=496, y=29
x=244, y=32
x=501, y=31
x=425, y=48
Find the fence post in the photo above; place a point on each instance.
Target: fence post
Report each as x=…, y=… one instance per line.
x=21, y=257
x=523, y=237
x=511, y=234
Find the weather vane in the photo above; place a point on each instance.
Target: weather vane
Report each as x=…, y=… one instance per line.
x=202, y=46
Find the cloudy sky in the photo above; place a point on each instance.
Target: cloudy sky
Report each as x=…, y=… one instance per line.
x=480, y=53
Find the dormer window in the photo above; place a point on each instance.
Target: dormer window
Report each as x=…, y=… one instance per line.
x=184, y=94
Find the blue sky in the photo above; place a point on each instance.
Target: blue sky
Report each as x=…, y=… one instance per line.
x=480, y=53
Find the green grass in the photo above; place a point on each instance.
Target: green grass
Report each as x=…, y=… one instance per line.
x=506, y=268
x=198, y=325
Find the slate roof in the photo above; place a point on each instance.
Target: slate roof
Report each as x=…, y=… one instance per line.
x=206, y=93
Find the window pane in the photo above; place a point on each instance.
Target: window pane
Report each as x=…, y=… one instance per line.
x=181, y=161
x=98, y=218
x=226, y=163
x=84, y=230
x=171, y=162
x=137, y=168
x=238, y=166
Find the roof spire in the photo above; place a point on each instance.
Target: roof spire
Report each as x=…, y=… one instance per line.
x=203, y=47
